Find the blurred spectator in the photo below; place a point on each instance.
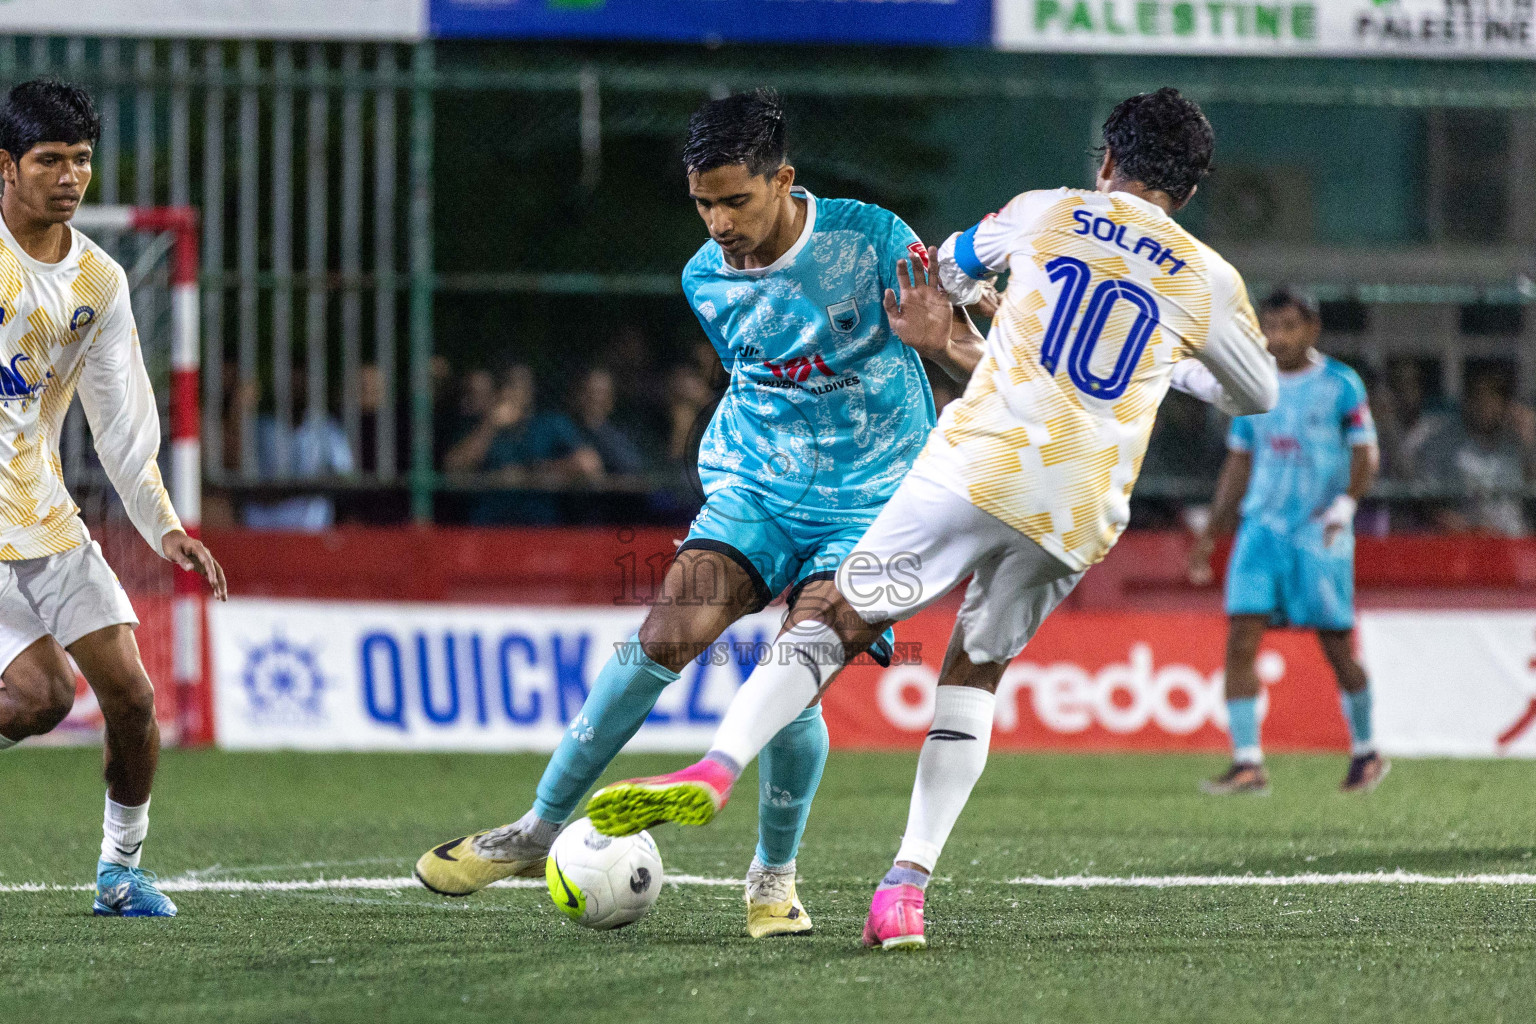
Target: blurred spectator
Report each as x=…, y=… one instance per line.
x=454, y=449
x=238, y=400
x=630, y=354
x=370, y=400
x=1483, y=455
x=590, y=408
x=1404, y=418
x=689, y=400
x=518, y=449
x=316, y=447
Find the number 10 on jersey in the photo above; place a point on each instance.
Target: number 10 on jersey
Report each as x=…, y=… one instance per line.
x=1074, y=277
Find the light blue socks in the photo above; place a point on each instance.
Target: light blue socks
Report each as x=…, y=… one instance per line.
x=789, y=770
x=622, y=695
x=1243, y=727
x=1357, y=713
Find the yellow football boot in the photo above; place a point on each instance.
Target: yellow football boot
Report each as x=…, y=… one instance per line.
x=457, y=868
x=773, y=906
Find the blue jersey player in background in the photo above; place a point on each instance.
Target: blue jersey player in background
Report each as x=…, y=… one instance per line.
x=825, y=412
x=1297, y=473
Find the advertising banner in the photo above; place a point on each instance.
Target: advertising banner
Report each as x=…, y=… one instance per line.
x=1329, y=28
x=380, y=676
x=266, y=19
x=922, y=22
x=1101, y=681
x=1460, y=684
x=315, y=675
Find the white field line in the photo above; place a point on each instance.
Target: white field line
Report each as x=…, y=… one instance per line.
x=1309, y=878
x=239, y=885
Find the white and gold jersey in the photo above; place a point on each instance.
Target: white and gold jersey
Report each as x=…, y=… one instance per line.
x=1106, y=293
x=66, y=326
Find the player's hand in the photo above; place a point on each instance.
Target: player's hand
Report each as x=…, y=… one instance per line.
x=921, y=315
x=1336, y=517
x=1200, y=572
x=194, y=556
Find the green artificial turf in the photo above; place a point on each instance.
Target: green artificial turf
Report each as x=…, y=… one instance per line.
x=998, y=951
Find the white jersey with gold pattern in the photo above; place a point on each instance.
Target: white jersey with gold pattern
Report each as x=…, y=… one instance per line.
x=1106, y=295
x=64, y=327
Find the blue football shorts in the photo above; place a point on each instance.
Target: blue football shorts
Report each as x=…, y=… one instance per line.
x=1292, y=577
x=776, y=549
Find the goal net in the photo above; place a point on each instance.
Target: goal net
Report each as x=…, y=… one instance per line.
x=157, y=249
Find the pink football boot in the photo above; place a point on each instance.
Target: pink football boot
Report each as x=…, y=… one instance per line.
x=896, y=919
x=692, y=796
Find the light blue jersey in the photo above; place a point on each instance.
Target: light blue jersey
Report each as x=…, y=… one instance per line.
x=1281, y=566
x=826, y=408
x=1301, y=448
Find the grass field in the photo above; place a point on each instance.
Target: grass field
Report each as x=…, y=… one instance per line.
x=999, y=950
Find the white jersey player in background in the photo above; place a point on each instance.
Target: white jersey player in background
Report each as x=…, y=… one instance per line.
x=1025, y=483
x=66, y=326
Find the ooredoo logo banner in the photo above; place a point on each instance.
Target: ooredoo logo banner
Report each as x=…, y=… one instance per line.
x=1093, y=681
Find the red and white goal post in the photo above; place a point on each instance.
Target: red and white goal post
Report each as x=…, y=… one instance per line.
x=182, y=646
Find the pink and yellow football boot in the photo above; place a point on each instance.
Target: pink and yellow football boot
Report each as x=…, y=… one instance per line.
x=896, y=919
x=692, y=796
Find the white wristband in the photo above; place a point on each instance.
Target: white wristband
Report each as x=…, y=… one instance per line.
x=1341, y=512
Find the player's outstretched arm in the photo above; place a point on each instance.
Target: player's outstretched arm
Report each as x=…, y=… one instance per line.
x=922, y=317
x=1230, y=488
x=193, y=555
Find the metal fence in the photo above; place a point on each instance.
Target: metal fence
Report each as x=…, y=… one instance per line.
x=319, y=168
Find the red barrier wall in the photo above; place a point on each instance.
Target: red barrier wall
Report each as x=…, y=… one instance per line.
x=605, y=565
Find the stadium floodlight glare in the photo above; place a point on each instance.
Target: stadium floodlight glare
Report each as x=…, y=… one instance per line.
x=194, y=711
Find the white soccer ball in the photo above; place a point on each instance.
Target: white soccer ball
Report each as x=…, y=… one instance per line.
x=603, y=881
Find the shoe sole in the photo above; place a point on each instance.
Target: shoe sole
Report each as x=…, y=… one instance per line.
x=626, y=808
x=102, y=910
x=793, y=929
x=904, y=942
x=532, y=869
x=1209, y=790
x=1371, y=787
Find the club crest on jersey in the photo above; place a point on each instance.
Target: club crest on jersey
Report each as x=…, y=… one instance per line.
x=845, y=316
x=83, y=316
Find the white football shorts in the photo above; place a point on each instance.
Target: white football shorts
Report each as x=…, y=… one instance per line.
x=927, y=540
x=66, y=595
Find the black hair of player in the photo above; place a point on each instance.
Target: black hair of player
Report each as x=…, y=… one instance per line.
x=746, y=128
x=1282, y=298
x=47, y=110
x=1162, y=140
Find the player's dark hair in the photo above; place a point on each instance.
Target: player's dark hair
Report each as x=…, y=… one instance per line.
x=747, y=128
x=1162, y=140
x=1282, y=298
x=46, y=110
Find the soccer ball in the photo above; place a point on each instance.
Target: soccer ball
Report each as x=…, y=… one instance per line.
x=603, y=881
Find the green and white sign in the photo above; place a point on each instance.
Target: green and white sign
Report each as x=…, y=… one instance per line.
x=1327, y=28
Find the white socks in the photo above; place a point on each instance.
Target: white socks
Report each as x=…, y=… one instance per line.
x=801, y=662
x=953, y=757
x=122, y=833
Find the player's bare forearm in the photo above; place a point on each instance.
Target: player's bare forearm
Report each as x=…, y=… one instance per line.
x=960, y=358
x=1230, y=488
x=193, y=555
x=1364, y=465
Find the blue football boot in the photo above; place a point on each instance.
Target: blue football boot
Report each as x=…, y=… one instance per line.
x=128, y=892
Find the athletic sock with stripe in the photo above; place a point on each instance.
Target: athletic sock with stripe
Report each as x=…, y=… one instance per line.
x=952, y=759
